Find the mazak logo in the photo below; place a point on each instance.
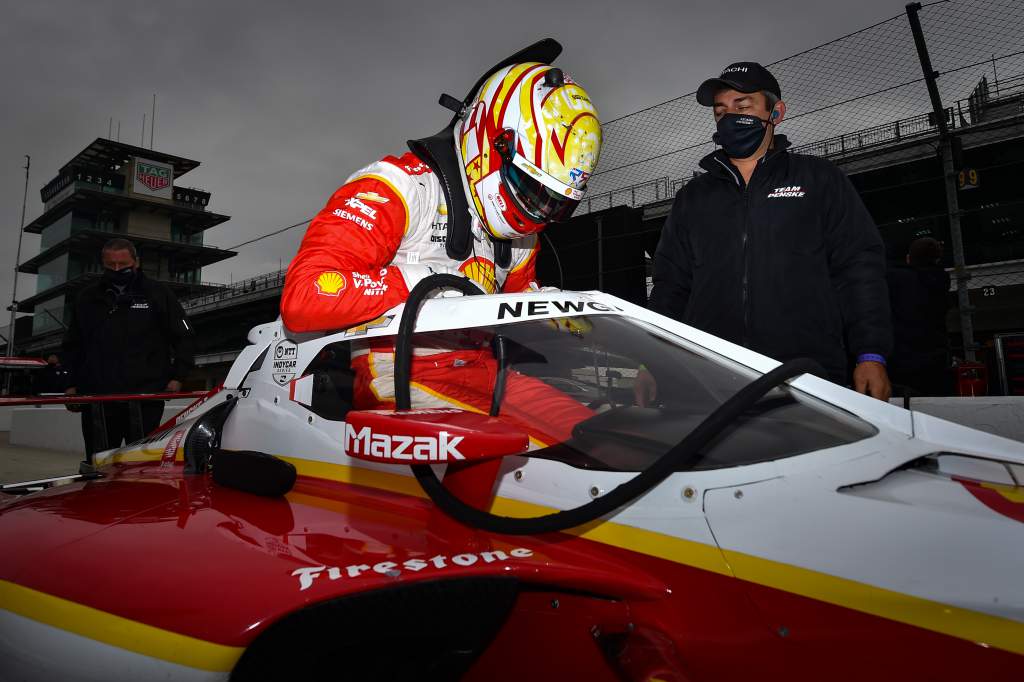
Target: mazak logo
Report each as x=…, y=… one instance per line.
x=440, y=448
x=783, y=192
x=152, y=176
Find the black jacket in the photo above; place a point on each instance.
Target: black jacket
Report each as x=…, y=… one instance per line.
x=791, y=265
x=50, y=379
x=919, y=298
x=131, y=342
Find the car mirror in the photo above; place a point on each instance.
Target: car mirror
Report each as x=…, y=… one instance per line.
x=429, y=436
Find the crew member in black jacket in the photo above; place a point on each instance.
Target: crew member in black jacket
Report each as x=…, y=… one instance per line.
x=919, y=295
x=128, y=334
x=773, y=250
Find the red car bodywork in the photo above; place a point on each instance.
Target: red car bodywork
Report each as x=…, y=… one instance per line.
x=182, y=555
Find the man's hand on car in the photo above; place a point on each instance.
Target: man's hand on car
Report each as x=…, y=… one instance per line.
x=71, y=390
x=871, y=378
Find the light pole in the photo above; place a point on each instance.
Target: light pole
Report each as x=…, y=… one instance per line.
x=17, y=260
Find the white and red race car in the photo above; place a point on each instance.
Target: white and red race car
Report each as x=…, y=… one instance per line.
x=751, y=522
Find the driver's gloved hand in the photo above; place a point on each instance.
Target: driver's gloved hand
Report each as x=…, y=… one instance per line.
x=536, y=287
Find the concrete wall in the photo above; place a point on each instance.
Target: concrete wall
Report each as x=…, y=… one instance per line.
x=54, y=428
x=1001, y=415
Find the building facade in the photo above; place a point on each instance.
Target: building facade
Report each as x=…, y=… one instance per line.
x=111, y=189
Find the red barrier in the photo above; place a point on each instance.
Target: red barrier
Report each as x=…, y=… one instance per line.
x=21, y=363
x=971, y=379
x=14, y=401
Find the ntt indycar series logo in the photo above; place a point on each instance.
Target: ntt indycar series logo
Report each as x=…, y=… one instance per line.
x=440, y=448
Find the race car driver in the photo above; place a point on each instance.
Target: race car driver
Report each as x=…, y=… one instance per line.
x=470, y=200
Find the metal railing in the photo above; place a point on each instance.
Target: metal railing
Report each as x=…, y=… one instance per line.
x=982, y=106
x=963, y=114
x=270, y=280
x=869, y=138
x=648, y=191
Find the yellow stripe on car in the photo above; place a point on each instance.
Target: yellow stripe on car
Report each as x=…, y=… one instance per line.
x=981, y=628
x=117, y=631
x=930, y=615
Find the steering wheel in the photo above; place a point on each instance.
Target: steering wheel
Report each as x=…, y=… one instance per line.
x=682, y=455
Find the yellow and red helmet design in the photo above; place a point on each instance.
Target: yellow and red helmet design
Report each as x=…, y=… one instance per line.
x=529, y=141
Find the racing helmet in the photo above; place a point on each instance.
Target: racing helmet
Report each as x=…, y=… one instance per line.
x=528, y=141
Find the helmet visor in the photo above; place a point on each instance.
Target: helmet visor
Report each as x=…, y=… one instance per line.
x=539, y=195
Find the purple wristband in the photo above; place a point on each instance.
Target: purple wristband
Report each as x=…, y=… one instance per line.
x=870, y=357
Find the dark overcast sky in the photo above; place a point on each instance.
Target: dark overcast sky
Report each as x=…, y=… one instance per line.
x=281, y=101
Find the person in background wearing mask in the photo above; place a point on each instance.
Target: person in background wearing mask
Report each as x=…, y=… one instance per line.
x=772, y=250
x=919, y=294
x=128, y=334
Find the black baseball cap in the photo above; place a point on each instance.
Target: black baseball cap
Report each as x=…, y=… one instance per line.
x=742, y=77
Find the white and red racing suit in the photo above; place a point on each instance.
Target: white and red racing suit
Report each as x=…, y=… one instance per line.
x=376, y=237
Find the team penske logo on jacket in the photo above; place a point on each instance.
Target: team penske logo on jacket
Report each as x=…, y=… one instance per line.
x=330, y=283
x=783, y=192
x=440, y=448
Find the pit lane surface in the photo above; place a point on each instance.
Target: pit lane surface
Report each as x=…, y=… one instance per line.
x=20, y=463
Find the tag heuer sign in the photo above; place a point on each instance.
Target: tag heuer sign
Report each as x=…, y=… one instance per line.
x=153, y=179
x=152, y=175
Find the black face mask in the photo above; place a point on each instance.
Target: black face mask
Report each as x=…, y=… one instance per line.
x=119, y=278
x=740, y=134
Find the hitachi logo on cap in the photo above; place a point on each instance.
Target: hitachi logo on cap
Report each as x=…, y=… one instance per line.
x=442, y=448
x=734, y=69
